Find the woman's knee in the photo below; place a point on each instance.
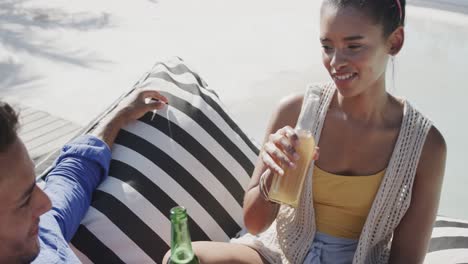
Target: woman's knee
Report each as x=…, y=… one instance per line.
x=166, y=257
x=217, y=252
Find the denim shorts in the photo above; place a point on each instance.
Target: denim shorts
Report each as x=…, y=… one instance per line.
x=328, y=249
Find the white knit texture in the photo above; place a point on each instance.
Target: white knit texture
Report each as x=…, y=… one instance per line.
x=289, y=238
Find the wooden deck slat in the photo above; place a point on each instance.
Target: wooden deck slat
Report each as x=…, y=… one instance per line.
x=26, y=111
x=53, y=135
x=35, y=116
x=43, y=150
x=44, y=130
x=36, y=124
x=43, y=133
x=20, y=107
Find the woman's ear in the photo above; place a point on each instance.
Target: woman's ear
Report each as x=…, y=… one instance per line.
x=396, y=40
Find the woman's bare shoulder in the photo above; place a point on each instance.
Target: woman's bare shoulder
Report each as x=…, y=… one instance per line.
x=433, y=156
x=436, y=140
x=292, y=102
x=435, y=144
x=286, y=112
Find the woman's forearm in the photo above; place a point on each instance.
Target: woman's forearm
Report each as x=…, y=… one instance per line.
x=259, y=212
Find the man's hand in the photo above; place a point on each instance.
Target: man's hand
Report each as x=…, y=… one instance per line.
x=130, y=109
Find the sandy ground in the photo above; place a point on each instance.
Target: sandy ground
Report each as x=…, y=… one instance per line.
x=73, y=59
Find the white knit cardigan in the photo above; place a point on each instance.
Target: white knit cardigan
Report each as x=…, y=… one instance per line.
x=290, y=236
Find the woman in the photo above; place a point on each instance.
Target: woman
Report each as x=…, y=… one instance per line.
x=373, y=194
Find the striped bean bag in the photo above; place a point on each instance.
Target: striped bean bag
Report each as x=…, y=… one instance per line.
x=191, y=154
x=449, y=242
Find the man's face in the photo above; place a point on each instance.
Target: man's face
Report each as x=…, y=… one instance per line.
x=21, y=204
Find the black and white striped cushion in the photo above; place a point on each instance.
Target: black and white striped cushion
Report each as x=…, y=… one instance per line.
x=449, y=242
x=192, y=154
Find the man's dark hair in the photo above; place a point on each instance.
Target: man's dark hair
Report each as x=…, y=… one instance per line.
x=388, y=13
x=8, y=125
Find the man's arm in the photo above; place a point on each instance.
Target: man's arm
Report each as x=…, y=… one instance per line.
x=85, y=161
x=78, y=170
x=128, y=110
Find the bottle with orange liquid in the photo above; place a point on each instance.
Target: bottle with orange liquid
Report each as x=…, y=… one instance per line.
x=287, y=188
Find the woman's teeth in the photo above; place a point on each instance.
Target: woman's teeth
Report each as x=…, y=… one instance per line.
x=344, y=77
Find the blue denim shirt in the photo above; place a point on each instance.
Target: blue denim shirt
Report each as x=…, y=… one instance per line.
x=78, y=170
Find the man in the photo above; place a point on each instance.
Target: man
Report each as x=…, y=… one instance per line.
x=37, y=225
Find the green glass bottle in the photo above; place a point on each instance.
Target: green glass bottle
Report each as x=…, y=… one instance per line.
x=181, y=244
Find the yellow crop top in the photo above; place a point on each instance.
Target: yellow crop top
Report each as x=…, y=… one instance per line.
x=342, y=203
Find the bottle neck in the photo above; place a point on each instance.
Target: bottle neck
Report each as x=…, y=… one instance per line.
x=181, y=243
x=180, y=233
x=309, y=108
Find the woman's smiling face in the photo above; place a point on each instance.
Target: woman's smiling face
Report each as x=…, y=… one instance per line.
x=355, y=51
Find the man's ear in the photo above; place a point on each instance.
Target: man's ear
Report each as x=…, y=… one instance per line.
x=396, y=40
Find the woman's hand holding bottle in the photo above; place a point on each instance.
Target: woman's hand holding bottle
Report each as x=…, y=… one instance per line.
x=287, y=153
